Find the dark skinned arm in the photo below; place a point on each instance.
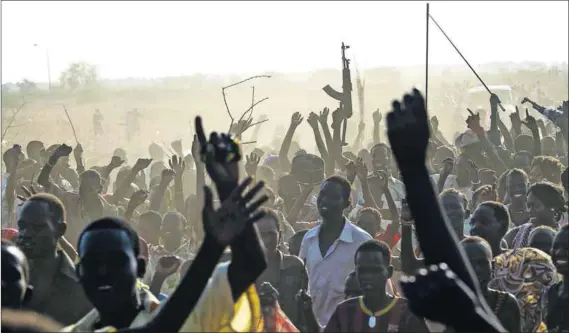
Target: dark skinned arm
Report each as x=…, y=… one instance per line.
x=508, y=141
x=292, y=216
x=323, y=119
x=366, y=192
x=179, y=198
x=431, y=225
x=359, y=137
x=313, y=122
x=536, y=141
x=120, y=193
x=376, y=126
x=409, y=262
x=157, y=196
x=247, y=253
x=285, y=146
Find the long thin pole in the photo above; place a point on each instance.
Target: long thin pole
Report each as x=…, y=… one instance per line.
x=463, y=58
x=48, y=69
x=427, y=62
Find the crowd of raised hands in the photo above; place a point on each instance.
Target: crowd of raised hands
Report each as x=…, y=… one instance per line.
x=417, y=235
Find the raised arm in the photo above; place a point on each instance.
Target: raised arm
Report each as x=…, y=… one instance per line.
x=157, y=196
x=43, y=178
x=179, y=166
x=313, y=122
x=78, y=155
x=115, y=162
x=119, y=194
x=531, y=123
x=295, y=120
x=376, y=126
x=408, y=132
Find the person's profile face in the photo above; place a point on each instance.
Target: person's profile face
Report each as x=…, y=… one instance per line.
x=38, y=232
x=485, y=225
x=108, y=267
x=14, y=277
x=560, y=252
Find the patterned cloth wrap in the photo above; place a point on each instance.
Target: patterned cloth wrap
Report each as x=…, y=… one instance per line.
x=527, y=273
x=275, y=320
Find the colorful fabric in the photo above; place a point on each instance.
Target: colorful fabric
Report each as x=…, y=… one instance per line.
x=275, y=320
x=217, y=312
x=527, y=273
x=9, y=233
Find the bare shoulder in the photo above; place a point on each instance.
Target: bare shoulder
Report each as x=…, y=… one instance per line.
x=290, y=261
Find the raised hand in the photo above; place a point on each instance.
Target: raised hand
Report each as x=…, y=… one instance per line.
x=361, y=126
x=78, y=152
x=28, y=192
x=296, y=119
x=62, y=151
x=438, y=285
x=473, y=122
x=530, y=122
x=434, y=123
x=177, y=164
x=323, y=116
x=448, y=165
x=337, y=117
x=361, y=169
x=377, y=117
x=168, y=175
x=220, y=155
x=312, y=120
x=515, y=119
x=408, y=130
x=351, y=171
x=168, y=265
x=383, y=181
x=235, y=214
x=196, y=150
x=268, y=295
x=141, y=164
x=116, y=162
x=138, y=198
x=252, y=161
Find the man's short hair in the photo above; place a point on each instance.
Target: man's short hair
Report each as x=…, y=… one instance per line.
x=55, y=206
x=454, y=191
x=372, y=211
x=500, y=211
x=478, y=240
x=114, y=223
x=374, y=245
x=344, y=183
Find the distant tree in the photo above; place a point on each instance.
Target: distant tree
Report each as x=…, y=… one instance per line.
x=79, y=75
x=27, y=86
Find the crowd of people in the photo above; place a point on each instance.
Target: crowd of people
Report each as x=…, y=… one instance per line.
x=404, y=232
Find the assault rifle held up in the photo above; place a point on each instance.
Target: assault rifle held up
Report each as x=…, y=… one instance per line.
x=344, y=97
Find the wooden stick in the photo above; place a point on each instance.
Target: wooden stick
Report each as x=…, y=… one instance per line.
x=70, y=123
x=233, y=85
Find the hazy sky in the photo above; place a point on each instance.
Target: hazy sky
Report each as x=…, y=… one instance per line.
x=152, y=39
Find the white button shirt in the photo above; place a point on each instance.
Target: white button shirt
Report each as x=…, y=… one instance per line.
x=327, y=275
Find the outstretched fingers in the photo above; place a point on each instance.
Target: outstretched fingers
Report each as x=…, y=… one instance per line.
x=252, y=192
x=255, y=205
x=236, y=194
x=200, y=133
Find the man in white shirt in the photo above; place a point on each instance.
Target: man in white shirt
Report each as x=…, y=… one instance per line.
x=328, y=249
